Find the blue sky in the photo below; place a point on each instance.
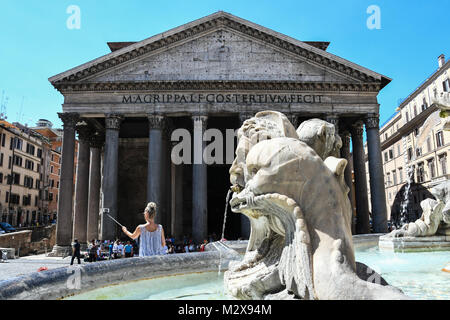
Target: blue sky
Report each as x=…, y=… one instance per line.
x=36, y=43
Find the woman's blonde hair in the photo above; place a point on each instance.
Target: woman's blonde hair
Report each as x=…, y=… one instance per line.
x=151, y=209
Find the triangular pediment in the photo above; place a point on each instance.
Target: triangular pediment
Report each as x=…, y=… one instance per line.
x=219, y=47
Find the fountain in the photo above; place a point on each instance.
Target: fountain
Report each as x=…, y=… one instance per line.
x=291, y=186
x=432, y=230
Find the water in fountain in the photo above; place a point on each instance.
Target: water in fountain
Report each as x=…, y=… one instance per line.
x=405, y=202
x=227, y=199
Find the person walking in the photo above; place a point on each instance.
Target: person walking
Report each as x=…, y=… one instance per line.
x=152, y=241
x=75, y=251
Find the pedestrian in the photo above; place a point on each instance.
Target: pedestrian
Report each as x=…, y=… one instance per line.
x=92, y=251
x=75, y=251
x=128, y=250
x=110, y=247
x=152, y=241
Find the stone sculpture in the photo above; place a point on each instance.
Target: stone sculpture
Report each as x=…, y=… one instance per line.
x=435, y=219
x=300, y=245
x=321, y=136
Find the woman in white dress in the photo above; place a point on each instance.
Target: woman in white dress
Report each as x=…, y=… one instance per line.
x=152, y=241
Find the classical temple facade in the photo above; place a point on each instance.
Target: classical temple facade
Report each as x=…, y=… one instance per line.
x=214, y=72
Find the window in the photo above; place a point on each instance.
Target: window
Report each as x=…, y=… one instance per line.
x=399, y=152
x=388, y=179
x=443, y=162
x=51, y=169
x=431, y=168
x=420, y=173
x=30, y=149
x=394, y=177
x=50, y=196
x=17, y=161
x=1, y=177
x=410, y=153
x=385, y=157
x=1, y=160
x=435, y=93
x=440, y=139
x=418, y=152
x=415, y=110
x=424, y=104
x=391, y=153
x=400, y=174
x=416, y=132
x=52, y=183
x=3, y=139
x=446, y=85
x=39, y=153
x=406, y=116
x=29, y=164
x=38, y=184
x=16, y=178
x=28, y=182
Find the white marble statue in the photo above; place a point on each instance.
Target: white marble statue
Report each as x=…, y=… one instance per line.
x=300, y=246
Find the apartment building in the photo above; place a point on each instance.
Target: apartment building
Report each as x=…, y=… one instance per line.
x=415, y=148
x=23, y=154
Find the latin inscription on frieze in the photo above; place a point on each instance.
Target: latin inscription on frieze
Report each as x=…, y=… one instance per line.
x=221, y=98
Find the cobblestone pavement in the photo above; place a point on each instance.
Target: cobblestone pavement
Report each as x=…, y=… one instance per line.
x=28, y=264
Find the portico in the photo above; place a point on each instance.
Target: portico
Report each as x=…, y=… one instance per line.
x=212, y=73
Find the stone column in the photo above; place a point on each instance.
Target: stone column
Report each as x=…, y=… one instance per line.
x=294, y=120
x=65, y=201
x=345, y=153
x=96, y=143
x=333, y=119
x=377, y=194
x=155, y=164
x=82, y=186
x=199, y=183
x=361, y=197
x=109, y=229
x=177, y=201
x=245, y=221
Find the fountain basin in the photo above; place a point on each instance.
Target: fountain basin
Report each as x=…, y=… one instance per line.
x=67, y=281
x=414, y=244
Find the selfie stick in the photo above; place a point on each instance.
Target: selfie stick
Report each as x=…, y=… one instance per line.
x=104, y=211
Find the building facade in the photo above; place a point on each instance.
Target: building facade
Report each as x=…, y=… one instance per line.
x=213, y=73
x=415, y=148
x=23, y=155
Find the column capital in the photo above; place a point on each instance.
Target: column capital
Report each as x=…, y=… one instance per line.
x=69, y=119
x=84, y=132
x=333, y=119
x=96, y=140
x=156, y=121
x=293, y=118
x=357, y=129
x=203, y=118
x=244, y=116
x=113, y=120
x=372, y=121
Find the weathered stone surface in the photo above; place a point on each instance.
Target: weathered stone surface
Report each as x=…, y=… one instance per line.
x=414, y=244
x=301, y=217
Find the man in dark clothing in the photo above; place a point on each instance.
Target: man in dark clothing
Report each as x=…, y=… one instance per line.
x=75, y=251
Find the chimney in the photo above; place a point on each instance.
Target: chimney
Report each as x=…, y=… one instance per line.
x=441, y=60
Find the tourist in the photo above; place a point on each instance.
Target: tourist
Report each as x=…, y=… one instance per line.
x=120, y=249
x=92, y=251
x=128, y=250
x=75, y=251
x=152, y=241
x=111, y=246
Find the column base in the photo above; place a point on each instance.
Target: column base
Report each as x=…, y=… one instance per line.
x=60, y=251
